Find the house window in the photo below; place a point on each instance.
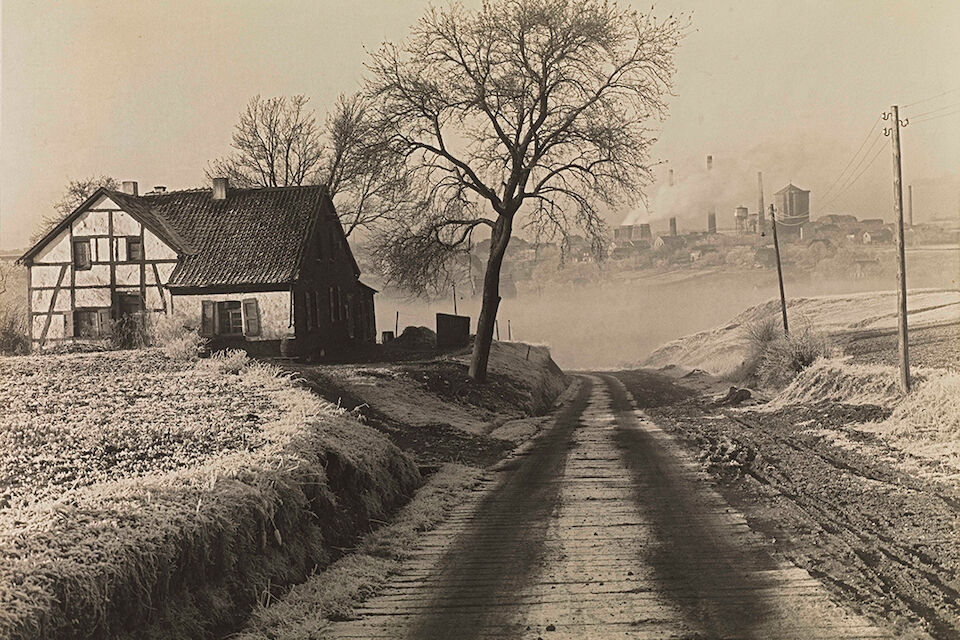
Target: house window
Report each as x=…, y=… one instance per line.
x=91, y=323
x=134, y=249
x=81, y=254
x=229, y=318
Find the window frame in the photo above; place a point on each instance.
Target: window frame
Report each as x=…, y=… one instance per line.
x=74, y=255
x=139, y=241
x=226, y=313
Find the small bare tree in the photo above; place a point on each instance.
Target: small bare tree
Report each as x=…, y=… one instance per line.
x=537, y=108
x=278, y=143
x=74, y=195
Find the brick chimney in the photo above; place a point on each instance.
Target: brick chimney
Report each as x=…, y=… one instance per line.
x=673, y=226
x=220, y=188
x=129, y=187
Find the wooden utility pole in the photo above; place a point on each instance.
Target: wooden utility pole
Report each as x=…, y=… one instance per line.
x=902, y=344
x=776, y=249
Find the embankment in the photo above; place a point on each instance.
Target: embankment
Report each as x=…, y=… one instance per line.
x=188, y=551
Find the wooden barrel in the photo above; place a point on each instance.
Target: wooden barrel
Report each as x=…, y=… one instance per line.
x=289, y=347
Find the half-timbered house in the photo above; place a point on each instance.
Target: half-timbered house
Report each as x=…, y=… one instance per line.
x=253, y=266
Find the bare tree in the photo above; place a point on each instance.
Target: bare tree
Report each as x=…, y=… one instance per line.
x=366, y=177
x=276, y=143
x=74, y=195
x=536, y=108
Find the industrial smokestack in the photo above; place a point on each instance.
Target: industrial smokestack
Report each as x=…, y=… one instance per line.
x=673, y=226
x=760, y=218
x=910, y=205
x=709, y=163
x=712, y=223
x=671, y=177
x=129, y=187
x=645, y=232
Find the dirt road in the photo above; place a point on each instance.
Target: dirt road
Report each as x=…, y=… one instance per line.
x=603, y=528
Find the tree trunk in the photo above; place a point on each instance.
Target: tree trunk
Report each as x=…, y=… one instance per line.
x=491, y=298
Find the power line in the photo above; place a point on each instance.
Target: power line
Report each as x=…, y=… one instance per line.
x=925, y=113
x=942, y=115
x=931, y=98
x=851, y=178
x=840, y=175
x=850, y=184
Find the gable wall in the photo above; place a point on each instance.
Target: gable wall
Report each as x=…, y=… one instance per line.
x=52, y=306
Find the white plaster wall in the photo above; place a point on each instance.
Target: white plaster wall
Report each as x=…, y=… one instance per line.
x=46, y=276
x=98, y=274
x=40, y=300
x=128, y=273
x=125, y=225
x=274, y=310
x=101, y=252
x=155, y=249
x=56, y=326
x=92, y=297
x=57, y=250
x=154, y=300
x=91, y=223
x=104, y=202
x=165, y=270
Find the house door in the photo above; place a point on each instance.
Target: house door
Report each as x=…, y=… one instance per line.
x=128, y=304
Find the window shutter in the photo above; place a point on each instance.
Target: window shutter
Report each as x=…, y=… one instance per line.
x=207, y=320
x=251, y=317
x=68, y=324
x=106, y=323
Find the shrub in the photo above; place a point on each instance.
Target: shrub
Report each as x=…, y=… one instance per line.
x=759, y=335
x=783, y=358
x=177, y=335
x=13, y=332
x=227, y=361
x=130, y=332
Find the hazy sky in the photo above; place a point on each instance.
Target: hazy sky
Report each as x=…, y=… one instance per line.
x=149, y=90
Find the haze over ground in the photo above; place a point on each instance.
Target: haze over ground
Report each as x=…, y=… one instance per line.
x=150, y=91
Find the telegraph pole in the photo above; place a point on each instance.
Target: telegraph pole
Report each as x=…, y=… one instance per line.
x=902, y=343
x=776, y=248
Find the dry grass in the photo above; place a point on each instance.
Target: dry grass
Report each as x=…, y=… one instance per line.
x=839, y=380
x=786, y=356
x=927, y=422
x=332, y=594
x=184, y=552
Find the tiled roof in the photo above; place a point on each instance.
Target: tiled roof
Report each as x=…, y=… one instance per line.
x=253, y=237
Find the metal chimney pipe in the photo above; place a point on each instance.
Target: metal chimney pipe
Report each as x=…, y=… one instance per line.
x=673, y=226
x=671, y=177
x=709, y=163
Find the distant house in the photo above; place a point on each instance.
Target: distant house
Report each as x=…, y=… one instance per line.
x=254, y=265
x=838, y=219
x=630, y=249
x=668, y=244
x=871, y=222
x=876, y=236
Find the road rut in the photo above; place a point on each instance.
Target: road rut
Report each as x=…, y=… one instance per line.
x=603, y=528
